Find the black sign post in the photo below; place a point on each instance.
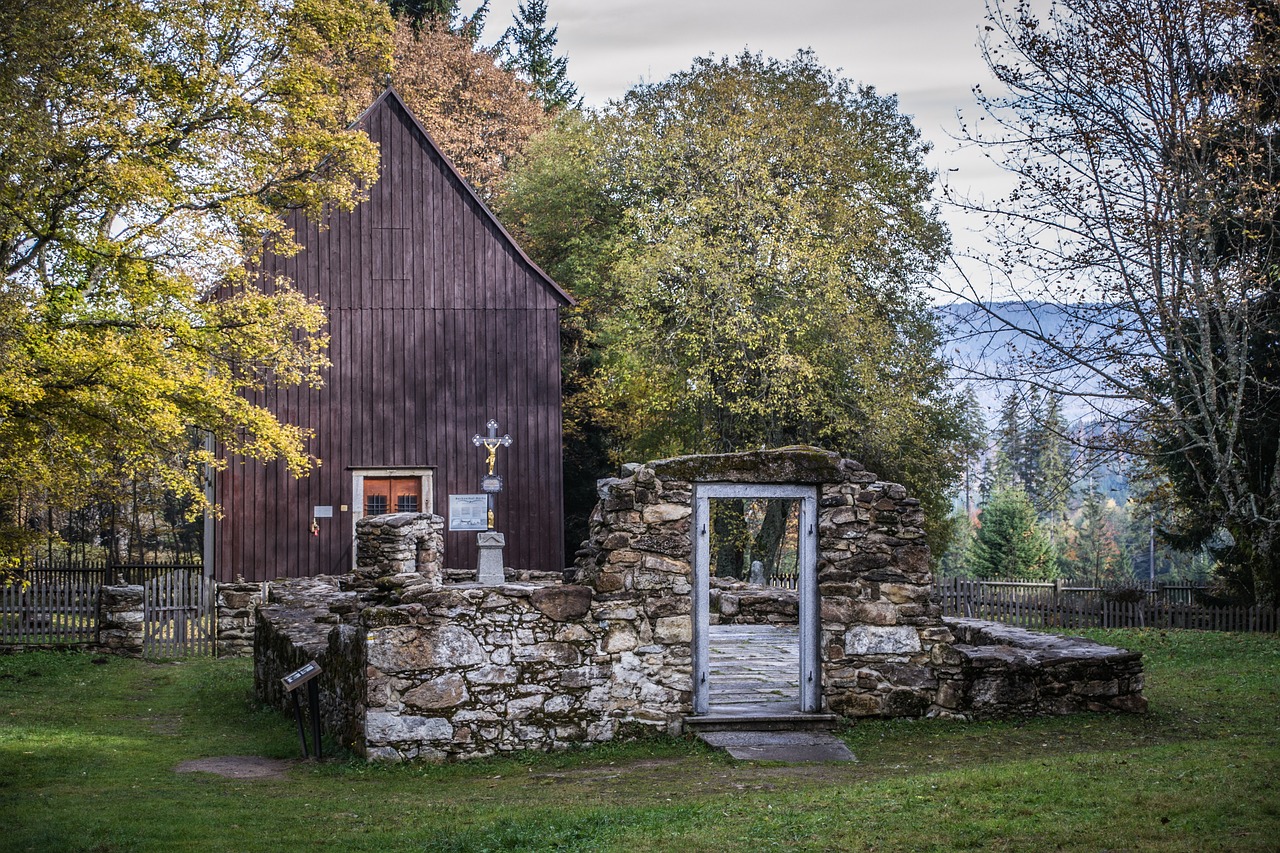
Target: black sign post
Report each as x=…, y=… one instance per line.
x=306, y=675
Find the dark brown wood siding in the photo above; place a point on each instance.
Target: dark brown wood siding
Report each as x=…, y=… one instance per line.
x=437, y=323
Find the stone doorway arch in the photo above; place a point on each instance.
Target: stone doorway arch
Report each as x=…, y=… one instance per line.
x=809, y=676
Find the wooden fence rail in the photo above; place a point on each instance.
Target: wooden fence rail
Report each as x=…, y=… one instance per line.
x=1046, y=605
x=52, y=610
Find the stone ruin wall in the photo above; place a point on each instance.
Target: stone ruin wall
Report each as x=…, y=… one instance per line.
x=414, y=668
x=734, y=602
x=418, y=668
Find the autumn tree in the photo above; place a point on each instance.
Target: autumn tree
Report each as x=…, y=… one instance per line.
x=479, y=113
x=1143, y=137
x=528, y=49
x=752, y=262
x=1096, y=553
x=150, y=149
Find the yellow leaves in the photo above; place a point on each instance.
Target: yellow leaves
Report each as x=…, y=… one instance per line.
x=149, y=148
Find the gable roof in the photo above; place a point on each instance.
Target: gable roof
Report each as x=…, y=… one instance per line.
x=389, y=95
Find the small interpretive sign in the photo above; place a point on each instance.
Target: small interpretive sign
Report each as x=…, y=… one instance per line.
x=468, y=512
x=300, y=676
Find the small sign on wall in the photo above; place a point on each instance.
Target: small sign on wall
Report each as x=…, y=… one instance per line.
x=322, y=512
x=468, y=512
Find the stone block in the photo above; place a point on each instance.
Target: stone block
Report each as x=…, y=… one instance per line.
x=494, y=675
x=881, y=640
x=385, y=727
x=443, y=692
x=405, y=648
x=519, y=709
x=561, y=654
x=673, y=629
x=665, y=512
x=563, y=603
x=903, y=593
x=875, y=613
x=620, y=638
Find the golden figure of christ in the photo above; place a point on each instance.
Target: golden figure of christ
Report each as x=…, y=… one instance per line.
x=491, y=443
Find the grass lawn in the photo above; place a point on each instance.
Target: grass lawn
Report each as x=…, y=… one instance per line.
x=88, y=750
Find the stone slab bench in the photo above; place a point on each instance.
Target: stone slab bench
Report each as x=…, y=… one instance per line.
x=996, y=671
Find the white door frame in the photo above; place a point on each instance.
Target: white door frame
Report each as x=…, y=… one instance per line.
x=810, y=624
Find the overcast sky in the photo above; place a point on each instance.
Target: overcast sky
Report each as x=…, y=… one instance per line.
x=924, y=51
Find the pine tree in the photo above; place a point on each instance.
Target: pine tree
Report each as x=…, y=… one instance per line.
x=1001, y=471
x=1046, y=460
x=529, y=50
x=1010, y=542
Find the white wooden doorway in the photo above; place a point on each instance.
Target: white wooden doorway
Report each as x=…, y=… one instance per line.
x=810, y=673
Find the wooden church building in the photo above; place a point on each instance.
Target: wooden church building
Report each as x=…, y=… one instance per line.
x=438, y=322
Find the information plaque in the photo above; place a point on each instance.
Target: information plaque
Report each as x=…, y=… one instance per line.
x=468, y=512
x=300, y=676
x=491, y=484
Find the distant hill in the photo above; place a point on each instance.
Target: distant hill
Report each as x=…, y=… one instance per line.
x=979, y=346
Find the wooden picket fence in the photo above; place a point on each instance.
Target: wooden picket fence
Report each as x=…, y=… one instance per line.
x=54, y=607
x=1047, y=605
x=58, y=605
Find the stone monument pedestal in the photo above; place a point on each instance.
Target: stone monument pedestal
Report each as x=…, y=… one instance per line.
x=490, y=571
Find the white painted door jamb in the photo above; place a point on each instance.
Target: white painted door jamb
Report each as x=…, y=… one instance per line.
x=810, y=625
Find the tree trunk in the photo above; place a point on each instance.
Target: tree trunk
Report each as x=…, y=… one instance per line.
x=767, y=545
x=728, y=532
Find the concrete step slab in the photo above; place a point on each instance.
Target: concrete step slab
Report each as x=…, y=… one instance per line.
x=759, y=716
x=789, y=746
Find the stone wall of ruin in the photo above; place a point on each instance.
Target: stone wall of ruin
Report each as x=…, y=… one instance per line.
x=417, y=668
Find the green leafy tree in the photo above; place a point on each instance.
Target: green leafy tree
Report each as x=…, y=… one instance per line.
x=1010, y=542
x=765, y=226
x=150, y=149
x=554, y=199
x=955, y=560
x=528, y=49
